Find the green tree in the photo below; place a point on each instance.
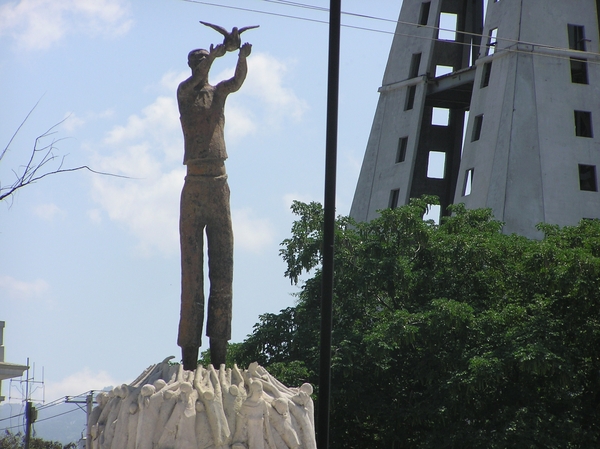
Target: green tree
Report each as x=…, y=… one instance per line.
x=17, y=441
x=447, y=336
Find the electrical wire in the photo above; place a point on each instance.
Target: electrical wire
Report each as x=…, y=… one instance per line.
x=467, y=33
x=478, y=35
x=12, y=416
x=45, y=407
x=299, y=5
x=14, y=427
x=54, y=416
x=239, y=8
x=50, y=404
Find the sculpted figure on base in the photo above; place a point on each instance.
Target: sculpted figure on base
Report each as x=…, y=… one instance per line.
x=168, y=407
x=205, y=207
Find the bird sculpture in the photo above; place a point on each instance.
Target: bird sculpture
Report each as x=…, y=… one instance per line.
x=232, y=41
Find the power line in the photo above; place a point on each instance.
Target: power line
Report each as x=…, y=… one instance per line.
x=51, y=404
x=299, y=5
x=366, y=16
x=498, y=39
x=12, y=417
x=238, y=8
x=54, y=416
x=45, y=407
x=13, y=427
x=41, y=407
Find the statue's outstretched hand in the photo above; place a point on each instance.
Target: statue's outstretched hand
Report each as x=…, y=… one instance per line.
x=218, y=50
x=245, y=49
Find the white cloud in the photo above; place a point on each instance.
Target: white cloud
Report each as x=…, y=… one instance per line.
x=37, y=24
x=266, y=81
x=73, y=121
x=148, y=149
x=21, y=290
x=264, y=102
x=239, y=123
x=48, y=211
x=159, y=124
x=251, y=233
x=148, y=207
x=79, y=382
x=171, y=79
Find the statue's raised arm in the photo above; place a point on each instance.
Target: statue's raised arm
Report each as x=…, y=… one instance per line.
x=241, y=70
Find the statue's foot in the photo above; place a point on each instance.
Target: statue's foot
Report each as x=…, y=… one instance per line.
x=218, y=352
x=189, y=356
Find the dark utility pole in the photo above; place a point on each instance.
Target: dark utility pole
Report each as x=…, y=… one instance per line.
x=329, y=223
x=88, y=434
x=30, y=417
x=89, y=402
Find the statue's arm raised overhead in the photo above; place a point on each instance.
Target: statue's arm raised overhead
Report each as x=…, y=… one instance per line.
x=200, y=61
x=233, y=84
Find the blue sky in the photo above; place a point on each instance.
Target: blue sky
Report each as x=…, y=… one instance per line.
x=90, y=273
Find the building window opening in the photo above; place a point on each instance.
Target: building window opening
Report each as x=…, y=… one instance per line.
x=440, y=116
x=448, y=24
x=587, y=178
x=492, y=41
x=583, y=124
x=464, y=133
x=394, y=197
x=441, y=70
x=415, y=62
x=410, y=98
x=579, y=71
x=401, y=150
x=436, y=165
x=577, y=38
x=477, y=125
x=485, y=76
x=468, y=184
x=424, y=14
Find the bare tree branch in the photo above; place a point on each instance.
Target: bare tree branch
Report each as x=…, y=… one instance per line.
x=37, y=166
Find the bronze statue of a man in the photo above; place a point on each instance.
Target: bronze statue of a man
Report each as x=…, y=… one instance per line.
x=205, y=206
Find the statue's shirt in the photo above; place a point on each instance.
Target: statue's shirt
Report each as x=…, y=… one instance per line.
x=203, y=122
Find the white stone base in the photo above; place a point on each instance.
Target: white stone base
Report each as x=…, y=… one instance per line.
x=167, y=407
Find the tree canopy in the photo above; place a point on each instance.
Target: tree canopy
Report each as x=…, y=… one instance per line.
x=445, y=336
x=11, y=440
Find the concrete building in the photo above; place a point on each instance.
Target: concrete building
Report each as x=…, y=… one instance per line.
x=7, y=370
x=499, y=115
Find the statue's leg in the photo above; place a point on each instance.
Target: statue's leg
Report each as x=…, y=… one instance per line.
x=219, y=235
x=218, y=351
x=191, y=233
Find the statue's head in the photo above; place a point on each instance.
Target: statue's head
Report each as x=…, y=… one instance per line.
x=159, y=385
x=195, y=57
x=256, y=389
x=281, y=405
x=102, y=399
x=148, y=390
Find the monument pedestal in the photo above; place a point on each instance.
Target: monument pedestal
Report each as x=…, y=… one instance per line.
x=167, y=407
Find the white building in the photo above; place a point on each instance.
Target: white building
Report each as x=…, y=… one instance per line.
x=529, y=80
x=7, y=370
